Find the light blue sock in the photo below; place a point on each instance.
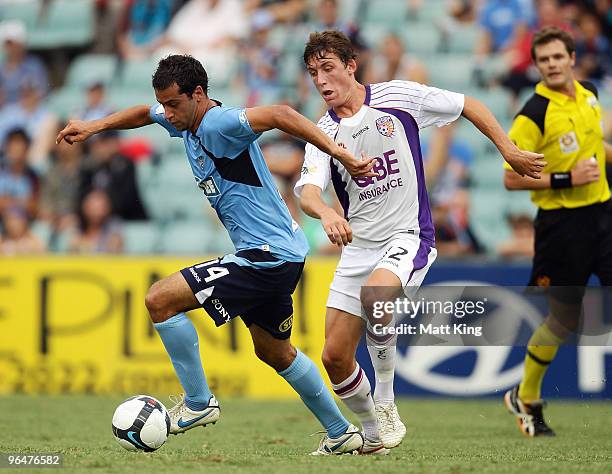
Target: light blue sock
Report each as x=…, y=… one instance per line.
x=306, y=380
x=181, y=341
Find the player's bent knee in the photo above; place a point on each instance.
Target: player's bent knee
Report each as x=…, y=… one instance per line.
x=276, y=357
x=157, y=304
x=335, y=360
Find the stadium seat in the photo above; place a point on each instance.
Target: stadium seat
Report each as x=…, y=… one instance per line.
x=488, y=210
x=67, y=23
x=487, y=173
x=290, y=67
x=449, y=71
x=196, y=237
x=20, y=10
x=388, y=13
x=140, y=237
x=66, y=102
x=498, y=100
x=430, y=11
x=460, y=40
x=135, y=75
x=122, y=97
x=88, y=68
x=421, y=38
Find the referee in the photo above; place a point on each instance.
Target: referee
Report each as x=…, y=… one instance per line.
x=573, y=229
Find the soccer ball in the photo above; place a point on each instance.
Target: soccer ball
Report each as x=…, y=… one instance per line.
x=141, y=423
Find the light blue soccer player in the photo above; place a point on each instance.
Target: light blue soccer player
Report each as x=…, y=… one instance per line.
x=258, y=280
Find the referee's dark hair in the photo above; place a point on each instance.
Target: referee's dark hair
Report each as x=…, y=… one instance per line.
x=553, y=33
x=330, y=41
x=185, y=70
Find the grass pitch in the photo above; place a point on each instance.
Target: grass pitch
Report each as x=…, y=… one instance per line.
x=444, y=436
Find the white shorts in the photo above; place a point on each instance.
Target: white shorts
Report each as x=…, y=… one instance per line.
x=407, y=257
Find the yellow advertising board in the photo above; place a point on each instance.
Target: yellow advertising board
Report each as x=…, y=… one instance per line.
x=79, y=325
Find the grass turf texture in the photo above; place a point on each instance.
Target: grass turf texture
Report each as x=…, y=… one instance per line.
x=252, y=436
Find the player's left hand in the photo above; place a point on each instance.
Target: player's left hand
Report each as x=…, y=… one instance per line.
x=357, y=168
x=75, y=131
x=526, y=162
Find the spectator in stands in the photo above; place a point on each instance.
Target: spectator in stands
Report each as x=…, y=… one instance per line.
x=259, y=63
x=16, y=237
x=279, y=11
x=19, y=67
x=99, y=230
x=32, y=115
x=141, y=27
x=207, y=30
x=60, y=188
x=393, y=62
x=454, y=237
x=521, y=243
x=19, y=184
x=95, y=102
x=501, y=22
x=108, y=170
x=593, y=50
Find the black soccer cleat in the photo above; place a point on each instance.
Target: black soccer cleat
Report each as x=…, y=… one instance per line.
x=529, y=417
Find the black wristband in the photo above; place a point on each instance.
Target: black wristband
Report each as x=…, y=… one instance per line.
x=560, y=180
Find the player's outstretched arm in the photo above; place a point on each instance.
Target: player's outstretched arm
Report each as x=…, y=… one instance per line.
x=336, y=227
x=585, y=172
x=288, y=120
x=525, y=163
x=80, y=130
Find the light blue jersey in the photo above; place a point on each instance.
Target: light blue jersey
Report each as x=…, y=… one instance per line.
x=229, y=167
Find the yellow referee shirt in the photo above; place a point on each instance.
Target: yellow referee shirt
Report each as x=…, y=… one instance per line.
x=565, y=131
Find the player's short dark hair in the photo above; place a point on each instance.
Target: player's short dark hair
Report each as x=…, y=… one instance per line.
x=330, y=41
x=185, y=70
x=550, y=34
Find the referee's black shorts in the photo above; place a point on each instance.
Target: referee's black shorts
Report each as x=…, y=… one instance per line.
x=572, y=244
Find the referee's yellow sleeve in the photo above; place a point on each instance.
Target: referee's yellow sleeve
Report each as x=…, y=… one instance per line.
x=525, y=134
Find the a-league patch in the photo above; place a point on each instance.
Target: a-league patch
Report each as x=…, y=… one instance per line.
x=385, y=126
x=568, y=143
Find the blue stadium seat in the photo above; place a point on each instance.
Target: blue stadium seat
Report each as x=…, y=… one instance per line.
x=421, y=38
x=67, y=23
x=388, y=13
x=449, y=71
x=140, y=237
x=88, y=68
x=198, y=237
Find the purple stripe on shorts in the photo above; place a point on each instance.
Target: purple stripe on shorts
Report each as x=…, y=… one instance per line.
x=421, y=258
x=352, y=385
x=411, y=129
x=339, y=187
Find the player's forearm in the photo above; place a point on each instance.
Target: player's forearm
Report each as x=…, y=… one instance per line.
x=299, y=126
x=514, y=182
x=312, y=203
x=134, y=117
x=482, y=118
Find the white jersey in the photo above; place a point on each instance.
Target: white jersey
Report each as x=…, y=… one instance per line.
x=387, y=128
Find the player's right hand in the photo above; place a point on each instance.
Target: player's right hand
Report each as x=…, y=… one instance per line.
x=585, y=172
x=75, y=131
x=337, y=228
x=356, y=168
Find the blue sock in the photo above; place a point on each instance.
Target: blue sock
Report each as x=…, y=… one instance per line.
x=306, y=380
x=181, y=341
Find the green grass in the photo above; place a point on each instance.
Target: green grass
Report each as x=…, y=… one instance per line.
x=444, y=436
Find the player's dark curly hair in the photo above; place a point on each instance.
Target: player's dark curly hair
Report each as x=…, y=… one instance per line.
x=185, y=70
x=330, y=41
x=552, y=33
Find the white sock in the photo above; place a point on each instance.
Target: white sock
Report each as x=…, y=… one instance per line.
x=355, y=391
x=382, y=354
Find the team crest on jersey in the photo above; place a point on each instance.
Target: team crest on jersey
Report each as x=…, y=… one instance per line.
x=209, y=187
x=568, y=143
x=385, y=126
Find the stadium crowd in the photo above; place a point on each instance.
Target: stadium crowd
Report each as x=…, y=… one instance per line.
x=123, y=192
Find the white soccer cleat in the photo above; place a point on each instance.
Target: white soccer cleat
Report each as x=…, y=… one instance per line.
x=183, y=419
x=350, y=442
x=391, y=428
x=373, y=448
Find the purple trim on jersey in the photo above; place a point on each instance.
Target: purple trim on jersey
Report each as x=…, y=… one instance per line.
x=339, y=187
x=333, y=115
x=420, y=259
x=412, y=135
